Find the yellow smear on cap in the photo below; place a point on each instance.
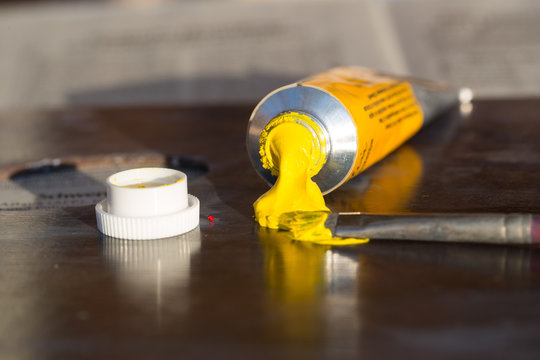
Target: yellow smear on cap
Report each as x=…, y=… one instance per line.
x=295, y=154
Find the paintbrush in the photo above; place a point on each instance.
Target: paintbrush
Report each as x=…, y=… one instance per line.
x=516, y=229
x=469, y=228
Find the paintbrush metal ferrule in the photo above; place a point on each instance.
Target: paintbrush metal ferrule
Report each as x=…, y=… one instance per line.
x=471, y=228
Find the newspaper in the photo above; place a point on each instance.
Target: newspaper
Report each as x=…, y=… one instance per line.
x=491, y=46
x=122, y=53
x=73, y=181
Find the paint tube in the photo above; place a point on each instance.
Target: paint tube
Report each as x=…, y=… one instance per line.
x=357, y=116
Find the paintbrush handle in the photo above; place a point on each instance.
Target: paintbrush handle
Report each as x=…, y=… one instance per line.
x=471, y=228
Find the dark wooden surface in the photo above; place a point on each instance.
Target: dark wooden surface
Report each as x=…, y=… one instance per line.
x=230, y=290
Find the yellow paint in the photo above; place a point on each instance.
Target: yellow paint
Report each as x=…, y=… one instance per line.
x=317, y=140
x=309, y=226
x=148, y=184
x=293, y=147
x=143, y=185
x=290, y=145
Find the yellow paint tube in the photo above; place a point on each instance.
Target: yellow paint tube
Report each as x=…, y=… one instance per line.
x=342, y=121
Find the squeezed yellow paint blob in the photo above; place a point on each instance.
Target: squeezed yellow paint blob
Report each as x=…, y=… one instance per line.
x=294, y=153
x=290, y=146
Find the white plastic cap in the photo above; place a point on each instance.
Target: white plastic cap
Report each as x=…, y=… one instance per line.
x=147, y=203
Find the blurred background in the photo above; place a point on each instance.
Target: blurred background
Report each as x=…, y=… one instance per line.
x=148, y=52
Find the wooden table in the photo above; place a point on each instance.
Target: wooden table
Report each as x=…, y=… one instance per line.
x=231, y=290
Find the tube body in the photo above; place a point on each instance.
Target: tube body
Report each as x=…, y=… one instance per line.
x=359, y=116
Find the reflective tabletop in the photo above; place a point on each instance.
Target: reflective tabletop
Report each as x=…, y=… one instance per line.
x=229, y=289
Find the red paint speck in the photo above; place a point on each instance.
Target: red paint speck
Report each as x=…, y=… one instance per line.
x=211, y=218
